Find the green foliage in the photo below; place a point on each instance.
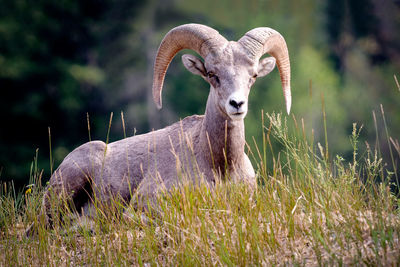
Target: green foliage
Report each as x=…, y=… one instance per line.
x=51, y=74
x=60, y=61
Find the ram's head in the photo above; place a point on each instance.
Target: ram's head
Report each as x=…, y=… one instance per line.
x=231, y=68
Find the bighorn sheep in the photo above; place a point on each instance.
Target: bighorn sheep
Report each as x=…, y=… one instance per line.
x=201, y=147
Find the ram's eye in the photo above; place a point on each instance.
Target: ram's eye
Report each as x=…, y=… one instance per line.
x=252, y=79
x=213, y=78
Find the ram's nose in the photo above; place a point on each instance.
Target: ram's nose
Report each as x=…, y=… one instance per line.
x=236, y=104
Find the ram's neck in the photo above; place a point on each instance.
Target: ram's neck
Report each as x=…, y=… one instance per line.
x=222, y=139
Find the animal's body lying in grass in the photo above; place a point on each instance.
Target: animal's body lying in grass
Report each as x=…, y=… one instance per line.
x=199, y=148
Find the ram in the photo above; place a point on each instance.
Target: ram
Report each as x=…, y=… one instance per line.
x=199, y=148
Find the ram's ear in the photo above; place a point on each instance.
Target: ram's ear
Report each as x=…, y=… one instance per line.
x=265, y=66
x=194, y=65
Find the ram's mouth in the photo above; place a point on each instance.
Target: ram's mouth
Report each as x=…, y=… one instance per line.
x=237, y=115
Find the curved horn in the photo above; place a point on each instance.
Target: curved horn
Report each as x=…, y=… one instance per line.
x=260, y=41
x=197, y=37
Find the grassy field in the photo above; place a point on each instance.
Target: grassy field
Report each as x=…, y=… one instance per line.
x=310, y=208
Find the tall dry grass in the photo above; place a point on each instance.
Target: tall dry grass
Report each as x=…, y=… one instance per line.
x=310, y=208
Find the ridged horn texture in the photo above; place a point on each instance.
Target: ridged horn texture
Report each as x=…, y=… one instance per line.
x=260, y=41
x=197, y=37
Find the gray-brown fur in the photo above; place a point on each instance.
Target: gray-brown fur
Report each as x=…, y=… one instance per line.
x=197, y=148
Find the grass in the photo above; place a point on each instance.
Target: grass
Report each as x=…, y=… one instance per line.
x=310, y=208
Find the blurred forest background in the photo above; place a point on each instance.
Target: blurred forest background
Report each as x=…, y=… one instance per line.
x=61, y=60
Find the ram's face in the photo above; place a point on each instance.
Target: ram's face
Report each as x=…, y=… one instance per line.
x=231, y=74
